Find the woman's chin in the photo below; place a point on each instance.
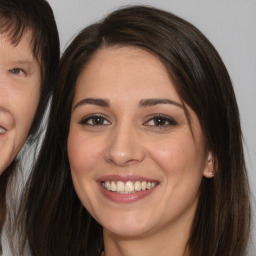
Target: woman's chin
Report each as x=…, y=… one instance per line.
x=127, y=229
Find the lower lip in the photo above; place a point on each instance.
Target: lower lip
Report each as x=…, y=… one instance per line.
x=125, y=198
x=3, y=134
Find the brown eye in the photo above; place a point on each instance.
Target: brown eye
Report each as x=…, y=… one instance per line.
x=161, y=121
x=94, y=120
x=97, y=120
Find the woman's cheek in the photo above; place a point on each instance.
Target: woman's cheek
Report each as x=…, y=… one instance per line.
x=82, y=152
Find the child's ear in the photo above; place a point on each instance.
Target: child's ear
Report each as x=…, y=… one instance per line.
x=209, y=166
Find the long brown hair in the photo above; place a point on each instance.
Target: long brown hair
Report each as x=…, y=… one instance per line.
x=56, y=223
x=16, y=18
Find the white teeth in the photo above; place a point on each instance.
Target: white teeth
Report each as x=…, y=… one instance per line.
x=120, y=186
x=128, y=187
x=143, y=185
x=113, y=186
x=107, y=185
x=2, y=130
x=137, y=186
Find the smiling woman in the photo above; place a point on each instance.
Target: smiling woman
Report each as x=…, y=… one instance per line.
x=143, y=152
x=133, y=153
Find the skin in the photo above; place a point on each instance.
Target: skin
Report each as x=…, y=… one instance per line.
x=127, y=142
x=19, y=95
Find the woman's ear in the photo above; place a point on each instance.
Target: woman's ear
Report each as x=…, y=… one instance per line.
x=209, y=166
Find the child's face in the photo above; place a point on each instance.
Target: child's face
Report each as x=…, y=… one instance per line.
x=20, y=80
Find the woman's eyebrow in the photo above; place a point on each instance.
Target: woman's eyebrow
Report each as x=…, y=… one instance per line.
x=142, y=103
x=153, y=102
x=92, y=101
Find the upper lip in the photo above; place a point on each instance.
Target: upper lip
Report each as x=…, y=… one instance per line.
x=124, y=178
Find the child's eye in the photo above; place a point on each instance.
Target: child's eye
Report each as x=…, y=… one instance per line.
x=17, y=71
x=160, y=121
x=95, y=120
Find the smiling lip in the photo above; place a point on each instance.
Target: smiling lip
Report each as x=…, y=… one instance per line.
x=126, y=189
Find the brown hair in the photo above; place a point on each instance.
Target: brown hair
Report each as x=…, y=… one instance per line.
x=56, y=222
x=16, y=18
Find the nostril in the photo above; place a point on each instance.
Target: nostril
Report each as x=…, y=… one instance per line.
x=123, y=161
x=124, y=149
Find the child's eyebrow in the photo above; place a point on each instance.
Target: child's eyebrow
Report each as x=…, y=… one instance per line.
x=23, y=62
x=29, y=64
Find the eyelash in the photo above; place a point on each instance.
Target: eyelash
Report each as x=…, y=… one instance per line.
x=93, y=118
x=164, y=121
x=14, y=71
x=168, y=121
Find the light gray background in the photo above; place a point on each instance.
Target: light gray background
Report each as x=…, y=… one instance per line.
x=229, y=24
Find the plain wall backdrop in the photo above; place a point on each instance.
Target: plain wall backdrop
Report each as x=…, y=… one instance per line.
x=229, y=24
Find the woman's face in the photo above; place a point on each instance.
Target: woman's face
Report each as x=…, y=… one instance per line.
x=19, y=95
x=135, y=164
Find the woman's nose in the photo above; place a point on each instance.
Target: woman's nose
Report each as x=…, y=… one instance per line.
x=125, y=147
